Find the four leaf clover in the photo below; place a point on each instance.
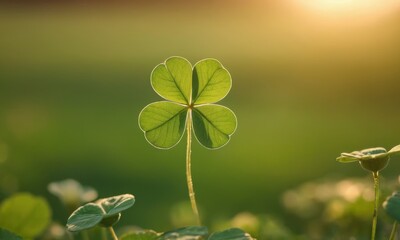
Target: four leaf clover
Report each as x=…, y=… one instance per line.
x=190, y=94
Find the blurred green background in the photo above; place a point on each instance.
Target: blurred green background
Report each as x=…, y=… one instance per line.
x=311, y=79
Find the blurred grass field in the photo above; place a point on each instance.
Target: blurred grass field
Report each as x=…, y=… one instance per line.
x=306, y=86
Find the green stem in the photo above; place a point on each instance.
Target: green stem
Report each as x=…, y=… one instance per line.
x=103, y=234
x=85, y=235
x=394, y=231
x=114, y=236
x=376, y=207
x=70, y=236
x=188, y=167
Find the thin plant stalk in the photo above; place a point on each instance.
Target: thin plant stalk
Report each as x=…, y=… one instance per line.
x=188, y=167
x=85, y=235
x=113, y=235
x=70, y=237
x=103, y=234
x=376, y=207
x=394, y=231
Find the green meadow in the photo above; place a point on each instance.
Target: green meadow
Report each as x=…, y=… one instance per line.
x=306, y=87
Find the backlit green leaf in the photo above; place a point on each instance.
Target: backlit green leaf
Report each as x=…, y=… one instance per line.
x=25, y=214
x=211, y=82
x=6, y=235
x=194, y=89
x=163, y=123
x=213, y=125
x=85, y=217
x=172, y=80
x=347, y=157
x=231, y=234
x=395, y=150
x=186, y=233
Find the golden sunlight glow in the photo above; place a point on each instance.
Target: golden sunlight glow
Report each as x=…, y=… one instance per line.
x=354, y=6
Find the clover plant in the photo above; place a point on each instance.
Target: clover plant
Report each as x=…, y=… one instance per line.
x=190, y=94
x=104, y=212
x=374, y=160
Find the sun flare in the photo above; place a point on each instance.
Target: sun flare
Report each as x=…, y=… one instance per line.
x=373, y=7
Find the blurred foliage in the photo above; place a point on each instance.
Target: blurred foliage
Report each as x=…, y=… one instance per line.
x=337, y=209
x=320, y=209
x=25, y=215
x=56, y=231
x=4, y=234
x=392, y=206
x=141, y=235
x=259, y=226
x=71, y=193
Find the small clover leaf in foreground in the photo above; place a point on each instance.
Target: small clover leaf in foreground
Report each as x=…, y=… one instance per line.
x=190, y=95
x=104, y=212
x=374, y=160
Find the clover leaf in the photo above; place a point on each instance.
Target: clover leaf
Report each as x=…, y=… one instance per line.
x=105, y=212
x=368, y=154
x=190, y=94
x=373, y=159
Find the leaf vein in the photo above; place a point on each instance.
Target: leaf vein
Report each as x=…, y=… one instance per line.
x=211, y=123
x=176, y=84
x=207, y=84
x=165, y=122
